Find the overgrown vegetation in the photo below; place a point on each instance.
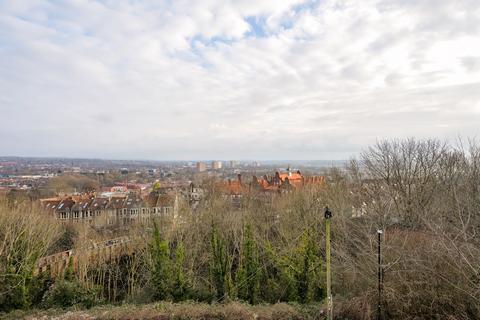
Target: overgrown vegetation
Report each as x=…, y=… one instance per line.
x=25, y=236
x=425, y=195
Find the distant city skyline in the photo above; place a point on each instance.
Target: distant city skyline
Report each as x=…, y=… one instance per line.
x=193, y=162
x=218, y=80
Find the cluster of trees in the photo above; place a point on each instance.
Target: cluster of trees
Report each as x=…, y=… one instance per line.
x=71, y=183
x=425, y=195
x=212, y=259
x=224, y=259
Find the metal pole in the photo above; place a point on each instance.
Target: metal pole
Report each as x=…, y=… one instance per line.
x=379, y=305
x=328, y=217
x=329, y=274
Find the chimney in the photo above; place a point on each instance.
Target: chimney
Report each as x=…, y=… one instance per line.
x=239, y=178
x=277, y=178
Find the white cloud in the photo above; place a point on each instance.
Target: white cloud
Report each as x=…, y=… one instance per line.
x=234, y=79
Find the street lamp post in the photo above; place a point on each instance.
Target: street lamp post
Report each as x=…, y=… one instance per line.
x=328, y=217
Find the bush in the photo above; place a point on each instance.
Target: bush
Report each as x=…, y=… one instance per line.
x=64, y=294
x=26, y=235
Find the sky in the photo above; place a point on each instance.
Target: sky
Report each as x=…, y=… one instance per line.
x=246, y=79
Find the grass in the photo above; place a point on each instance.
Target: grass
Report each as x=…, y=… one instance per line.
x=177, y=311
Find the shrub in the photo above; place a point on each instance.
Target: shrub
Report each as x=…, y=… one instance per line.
x=26, y=234
x=64, y=294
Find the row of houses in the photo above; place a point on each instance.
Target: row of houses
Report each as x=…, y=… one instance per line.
x=124, y=207
x=111, y=211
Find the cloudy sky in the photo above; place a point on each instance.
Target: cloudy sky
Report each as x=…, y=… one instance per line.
x=246, y=79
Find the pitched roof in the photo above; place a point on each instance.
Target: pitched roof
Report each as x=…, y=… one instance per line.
x=81, y=205
x=233, y=187
x=99, y=203
x=165, y=200
x=152, y=199
x=291, y=176
x=133, y=201
x=66, y=204
x=116, y=203
x=285, y=180
x=50, y=204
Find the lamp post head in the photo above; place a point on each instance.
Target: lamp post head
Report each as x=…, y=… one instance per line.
x=379, y=231
x=328, y=213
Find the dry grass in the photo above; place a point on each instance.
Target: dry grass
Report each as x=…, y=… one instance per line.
x=180, y=311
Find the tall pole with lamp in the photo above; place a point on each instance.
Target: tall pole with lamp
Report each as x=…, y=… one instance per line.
x=328, y=217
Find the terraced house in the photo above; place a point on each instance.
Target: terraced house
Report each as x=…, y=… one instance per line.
x=111, y=211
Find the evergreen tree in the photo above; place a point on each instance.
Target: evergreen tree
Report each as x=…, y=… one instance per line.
x=161, y=266
x=179, y=289
x=69, y=274
x=309, y=274
x=249, y=270
x=305, y=274
x=219, y=266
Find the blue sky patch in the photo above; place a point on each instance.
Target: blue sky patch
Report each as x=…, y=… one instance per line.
x=257, y=27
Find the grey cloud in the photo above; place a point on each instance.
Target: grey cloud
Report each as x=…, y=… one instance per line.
x=472, y=64
x=387, y=40
x=103, y=118
x=393, y=79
